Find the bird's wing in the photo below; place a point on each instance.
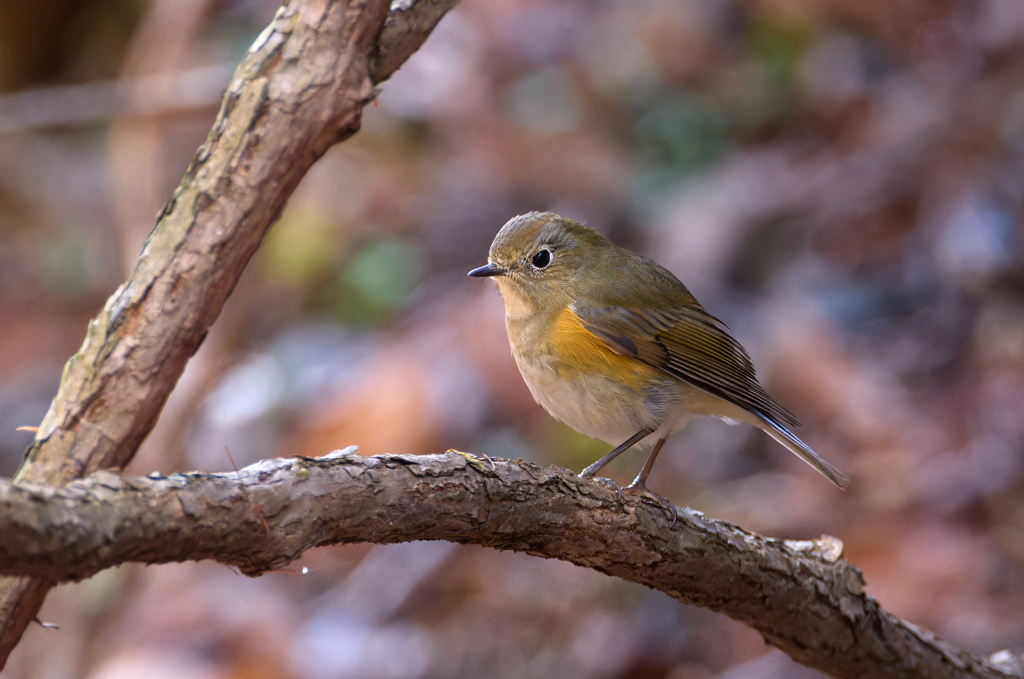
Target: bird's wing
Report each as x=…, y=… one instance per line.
x=688, y=343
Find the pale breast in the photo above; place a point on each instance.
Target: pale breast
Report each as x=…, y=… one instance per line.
x=583, y=383
x=589, y=403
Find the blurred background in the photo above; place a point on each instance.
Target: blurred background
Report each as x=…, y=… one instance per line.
x=840, y=182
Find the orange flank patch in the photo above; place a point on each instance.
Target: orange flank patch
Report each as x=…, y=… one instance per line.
x=580, y=350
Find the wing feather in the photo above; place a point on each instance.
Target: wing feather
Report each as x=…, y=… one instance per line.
x=688, y=343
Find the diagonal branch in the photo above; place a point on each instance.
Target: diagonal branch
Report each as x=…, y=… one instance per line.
x=299, y=89
x=801, y=596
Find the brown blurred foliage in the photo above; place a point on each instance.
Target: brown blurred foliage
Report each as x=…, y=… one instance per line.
x=838, y=181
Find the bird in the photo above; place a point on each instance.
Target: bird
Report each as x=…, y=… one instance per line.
x=615, y=346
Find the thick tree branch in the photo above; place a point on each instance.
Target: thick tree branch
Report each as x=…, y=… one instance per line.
x=800, y=595
x=299, y=89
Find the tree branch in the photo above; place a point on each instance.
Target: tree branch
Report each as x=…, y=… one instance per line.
x=801, y=596
x=299, y=89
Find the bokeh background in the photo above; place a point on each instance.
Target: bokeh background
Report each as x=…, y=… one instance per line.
x=839, y=181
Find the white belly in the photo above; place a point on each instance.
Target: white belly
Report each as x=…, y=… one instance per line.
x=605, y=408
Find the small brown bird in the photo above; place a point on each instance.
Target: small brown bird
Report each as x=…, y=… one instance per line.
x=614, y=346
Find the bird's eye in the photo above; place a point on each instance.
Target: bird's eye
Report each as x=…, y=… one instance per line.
x=542, y=259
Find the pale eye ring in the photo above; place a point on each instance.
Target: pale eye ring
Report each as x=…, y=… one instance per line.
x=541, y=259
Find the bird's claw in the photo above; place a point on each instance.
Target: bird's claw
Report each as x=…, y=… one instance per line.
x=659, y=501
x=608, y=482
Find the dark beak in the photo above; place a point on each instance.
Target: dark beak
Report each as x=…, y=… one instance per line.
x=487, y=270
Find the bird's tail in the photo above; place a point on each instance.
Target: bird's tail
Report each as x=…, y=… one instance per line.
x=787, y=438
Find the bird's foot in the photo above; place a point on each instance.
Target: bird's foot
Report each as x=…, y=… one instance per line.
x=608, y=482
x=638, y=488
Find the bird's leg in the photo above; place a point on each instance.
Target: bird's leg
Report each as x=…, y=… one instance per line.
x=639, y=485
x=626, y=445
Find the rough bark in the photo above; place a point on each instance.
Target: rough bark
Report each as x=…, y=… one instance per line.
x=802, y=596
x=299, y=89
